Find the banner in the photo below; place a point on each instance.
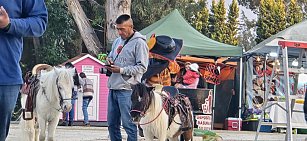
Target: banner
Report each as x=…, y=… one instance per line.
x=210, y=73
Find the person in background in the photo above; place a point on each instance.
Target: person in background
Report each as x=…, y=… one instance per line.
x=18, y=19
x=191, y=77
x=69, y=117
x=88, y=92
x=129, y=60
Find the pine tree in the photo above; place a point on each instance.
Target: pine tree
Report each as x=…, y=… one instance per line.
x=201, y=23
x=212, y=20
x=265, y=24
x=232, y=24
x=218, y=21
x=280, y=16
x=294, y=13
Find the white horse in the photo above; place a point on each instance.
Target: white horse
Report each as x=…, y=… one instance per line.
x=148, y=110
x=53, y=97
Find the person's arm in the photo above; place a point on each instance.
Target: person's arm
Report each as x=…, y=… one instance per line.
x=34, y=22
x=141, y=59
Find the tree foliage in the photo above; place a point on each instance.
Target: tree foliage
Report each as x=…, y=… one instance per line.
x=279, y=16
x=232, y=24
x=265, y=24
x=294, y=13
x=146, y=12
x=255, y=4
x=218, y=21
x=213, y=20
x=59, y=37
x=201, y=18
x=247, y=37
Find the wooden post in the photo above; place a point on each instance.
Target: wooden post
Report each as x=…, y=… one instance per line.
x=88, y=34
x=115, y=8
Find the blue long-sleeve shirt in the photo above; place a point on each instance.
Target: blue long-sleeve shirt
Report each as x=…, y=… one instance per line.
x=28, y=18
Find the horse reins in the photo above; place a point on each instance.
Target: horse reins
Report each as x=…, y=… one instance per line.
x=155, y=117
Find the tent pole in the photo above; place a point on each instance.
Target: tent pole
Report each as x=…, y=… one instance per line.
x=241, y=82
x=287, y=93
x=214, y=93
x=240, y=90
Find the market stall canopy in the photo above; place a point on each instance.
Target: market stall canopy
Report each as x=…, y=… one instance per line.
x=296, y=32
x=194, y=43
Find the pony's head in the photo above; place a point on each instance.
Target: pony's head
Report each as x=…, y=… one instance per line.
x=65, y=84
x=141, y=99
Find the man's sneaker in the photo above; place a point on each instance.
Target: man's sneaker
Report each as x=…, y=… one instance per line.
x=87, y=124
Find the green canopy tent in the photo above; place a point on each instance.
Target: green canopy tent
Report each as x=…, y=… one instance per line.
x=194, y=43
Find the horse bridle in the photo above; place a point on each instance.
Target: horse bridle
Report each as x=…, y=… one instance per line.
x=60, y=96
x=142, y=113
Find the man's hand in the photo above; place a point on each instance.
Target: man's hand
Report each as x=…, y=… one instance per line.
x=4, y=18
x=109, y=61
x=113, y=69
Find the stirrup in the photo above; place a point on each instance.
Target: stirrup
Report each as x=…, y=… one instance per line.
x=26, y=113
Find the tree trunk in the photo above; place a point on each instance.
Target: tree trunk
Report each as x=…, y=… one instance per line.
x=88, y=34
x=36, y=45
x=115, y=8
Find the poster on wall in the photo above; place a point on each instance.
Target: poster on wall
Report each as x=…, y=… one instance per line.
x=301, y=85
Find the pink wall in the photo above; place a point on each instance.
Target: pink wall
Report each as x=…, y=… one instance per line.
x=103, y=90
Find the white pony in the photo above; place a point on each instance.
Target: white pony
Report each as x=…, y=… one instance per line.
x=53, y=97
x=148, y=110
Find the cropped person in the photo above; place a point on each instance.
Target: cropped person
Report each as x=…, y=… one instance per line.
x=18, y=19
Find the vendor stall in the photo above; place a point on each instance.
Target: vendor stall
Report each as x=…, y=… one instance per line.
x=280, y=50
x=196, y=44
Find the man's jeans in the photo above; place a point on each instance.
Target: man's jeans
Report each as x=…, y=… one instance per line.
x=119, y=106
x=8, y=98
x=86, y=102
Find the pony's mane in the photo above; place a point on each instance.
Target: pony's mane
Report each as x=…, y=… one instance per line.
x=150, y=97
x=140, y=90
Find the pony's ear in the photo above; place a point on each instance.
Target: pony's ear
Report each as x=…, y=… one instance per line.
x=71, y=71
x=56, y=70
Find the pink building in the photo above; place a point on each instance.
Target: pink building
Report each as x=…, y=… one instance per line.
x=98, y=106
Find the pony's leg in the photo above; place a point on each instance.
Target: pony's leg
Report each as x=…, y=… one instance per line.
x=42, y=126
x=148, y=136
x=173, y=139
x=188, y=135
x=36, y=128
x=51, y=128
